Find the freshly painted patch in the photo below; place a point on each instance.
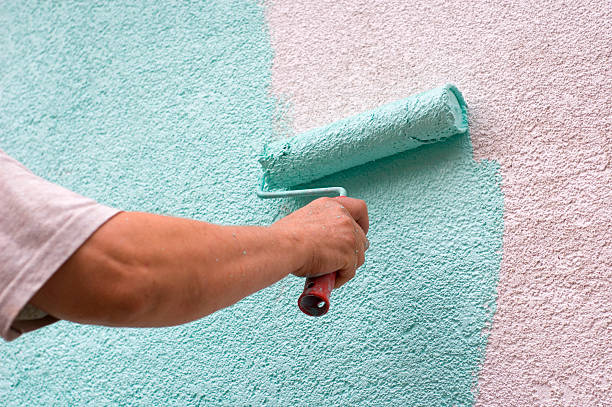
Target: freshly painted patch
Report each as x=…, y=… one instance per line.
x=411, y=329
x=165, y=108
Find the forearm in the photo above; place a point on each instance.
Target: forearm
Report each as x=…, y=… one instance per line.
x=180, y=270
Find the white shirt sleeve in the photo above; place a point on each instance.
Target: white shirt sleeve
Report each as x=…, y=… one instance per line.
x=41, y=225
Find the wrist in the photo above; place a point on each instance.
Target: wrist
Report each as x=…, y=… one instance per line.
x=290, y=244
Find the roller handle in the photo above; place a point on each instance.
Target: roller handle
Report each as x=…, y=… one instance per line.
x=314, y=301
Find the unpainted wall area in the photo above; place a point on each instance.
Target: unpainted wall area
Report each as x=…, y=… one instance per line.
x=537, y=78
x=164, y=108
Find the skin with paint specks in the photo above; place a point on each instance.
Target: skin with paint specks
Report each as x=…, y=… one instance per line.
x=146, y=270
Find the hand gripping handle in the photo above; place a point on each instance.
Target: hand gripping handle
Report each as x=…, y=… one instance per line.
x=314, y=301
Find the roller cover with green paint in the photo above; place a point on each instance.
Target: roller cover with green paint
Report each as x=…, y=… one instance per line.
x=390, y=129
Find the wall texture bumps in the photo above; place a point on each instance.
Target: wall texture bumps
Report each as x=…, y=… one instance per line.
x=536, y=75
x=164, y=108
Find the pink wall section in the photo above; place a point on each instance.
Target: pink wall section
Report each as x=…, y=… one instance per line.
x=537, y=78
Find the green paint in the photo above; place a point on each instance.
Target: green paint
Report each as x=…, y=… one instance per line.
x=387, y=130
x=165, y=108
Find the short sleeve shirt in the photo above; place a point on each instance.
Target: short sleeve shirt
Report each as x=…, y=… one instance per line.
x=41, y=225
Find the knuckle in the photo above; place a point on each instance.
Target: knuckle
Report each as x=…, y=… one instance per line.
x=320, y=201
x=350, y=239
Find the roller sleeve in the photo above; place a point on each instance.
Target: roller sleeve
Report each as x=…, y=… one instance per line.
x=390, y=129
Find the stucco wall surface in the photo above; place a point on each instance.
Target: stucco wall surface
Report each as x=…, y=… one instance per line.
x=165, y=108
x=537, y=78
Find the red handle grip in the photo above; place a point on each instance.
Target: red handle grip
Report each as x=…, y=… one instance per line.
x=314, y=301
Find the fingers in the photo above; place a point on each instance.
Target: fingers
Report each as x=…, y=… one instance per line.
x=334, y=236
x=362, y=247
x=355, y=261
x=357, y=209
x=343, y=276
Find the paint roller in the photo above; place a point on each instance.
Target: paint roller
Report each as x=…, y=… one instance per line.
x=402, y=125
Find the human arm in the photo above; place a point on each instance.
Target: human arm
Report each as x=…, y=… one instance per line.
x=142, y=269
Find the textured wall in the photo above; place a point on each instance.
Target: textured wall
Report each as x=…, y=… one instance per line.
x=537, y=79
x=164, y=108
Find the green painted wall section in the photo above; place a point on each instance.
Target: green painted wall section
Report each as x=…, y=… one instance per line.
x=165, y=108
